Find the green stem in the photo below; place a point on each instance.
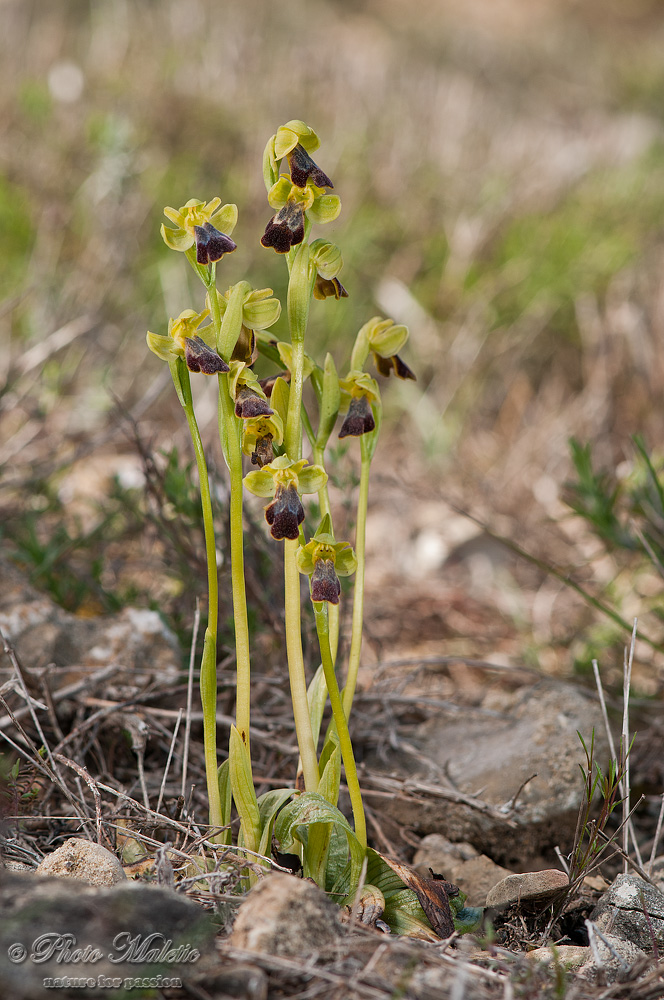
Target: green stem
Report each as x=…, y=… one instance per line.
x=242, y=653
x=300, y=286
x=293, y=430
x=229, y=433
x=347, y=755
x=208, y=681
x=358, y=597
x=298, y=683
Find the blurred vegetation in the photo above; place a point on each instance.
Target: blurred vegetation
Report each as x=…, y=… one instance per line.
x=502, y=185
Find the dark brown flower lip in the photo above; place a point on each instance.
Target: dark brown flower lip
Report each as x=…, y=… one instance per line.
x=385, y=367
x=303, y=168
x=326, y=287
x=249, y=404
x=211, y=245
x=286, y=229
x=201, y=358
x=325, y=585
x=267, y=384
x=359, y=419
x=285, y=514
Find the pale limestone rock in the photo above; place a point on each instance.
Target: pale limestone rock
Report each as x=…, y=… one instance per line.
x=284, y=915
x=81, y=859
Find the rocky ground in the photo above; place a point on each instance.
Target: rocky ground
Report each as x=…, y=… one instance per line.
x=477, y=782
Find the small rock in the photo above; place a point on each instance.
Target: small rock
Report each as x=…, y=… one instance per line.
x=78, y=858
x=612, y=960
x=528, y=887
x=622, y=911
x=286, y=916
x=129, y=649
x=570, y=956
x=437, y=852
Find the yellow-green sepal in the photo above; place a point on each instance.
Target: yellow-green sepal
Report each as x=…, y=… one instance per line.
x=161, y=346
x=361, y=345
x=176, y=239
x=278, y=194
x=387, y=338
x=292, y=133
x=311, y=479
x=324, y=208
x=270, y=164
x=261, y=309
x=261, y=482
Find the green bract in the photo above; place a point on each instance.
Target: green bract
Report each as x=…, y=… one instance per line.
x=197, y=213
x=174, y=344
x=286, y=355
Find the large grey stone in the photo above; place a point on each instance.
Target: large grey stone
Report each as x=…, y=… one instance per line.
x=632, y=909
x=57, y=929
x=493, y=757
x=612, y=958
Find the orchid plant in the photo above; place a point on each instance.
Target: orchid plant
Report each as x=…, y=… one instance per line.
x=272, y=425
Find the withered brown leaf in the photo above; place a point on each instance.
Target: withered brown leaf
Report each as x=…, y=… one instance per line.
x=432, y=894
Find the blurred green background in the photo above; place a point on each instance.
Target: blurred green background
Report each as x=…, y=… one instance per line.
x=501, y=170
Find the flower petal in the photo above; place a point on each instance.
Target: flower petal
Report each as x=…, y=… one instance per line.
x=260, y=482
x=262, y=313
x=312, y=479
x=285, y=514
x=302, y=167
x=163, y=347
x=387, y=339
x=201, y=358
x=325, y=208
x=225, y=218
x=325, y=584
x=290, y=134
x=211, y=244
x=359, y=419
x=176, y=239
